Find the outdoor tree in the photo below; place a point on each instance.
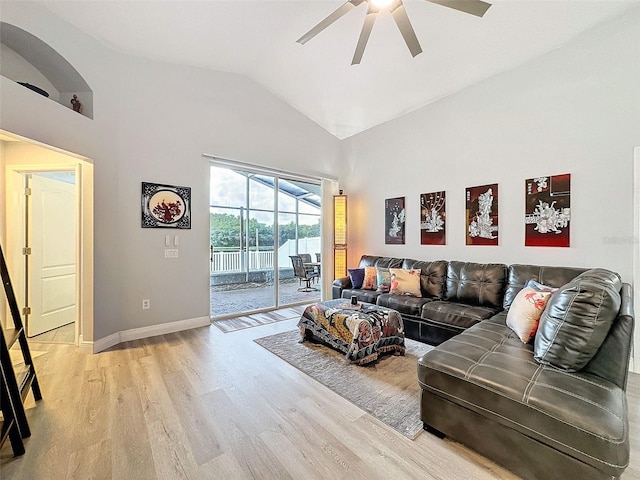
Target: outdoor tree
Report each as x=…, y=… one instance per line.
x=226, y=231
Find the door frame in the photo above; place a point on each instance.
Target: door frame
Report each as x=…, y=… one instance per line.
x=635, y=361
x=84, y=234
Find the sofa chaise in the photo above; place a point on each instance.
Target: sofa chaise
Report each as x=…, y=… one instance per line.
x=551, y=407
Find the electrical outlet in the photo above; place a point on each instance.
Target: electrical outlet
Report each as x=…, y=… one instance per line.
x=146, y=304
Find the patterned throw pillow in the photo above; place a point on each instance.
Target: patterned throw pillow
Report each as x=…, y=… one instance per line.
x=405, y=282
x=524, y=314
x=383, y=279
x=539, y=286
x=369, y=282
x=357, y=277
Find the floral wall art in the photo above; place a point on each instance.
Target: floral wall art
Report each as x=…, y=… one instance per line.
x=433, y=218
x=547, y=211
x=165, y=206
x=394, y=221
x=482, y=215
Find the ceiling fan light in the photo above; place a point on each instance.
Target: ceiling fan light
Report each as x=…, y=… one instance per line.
x=381, y=3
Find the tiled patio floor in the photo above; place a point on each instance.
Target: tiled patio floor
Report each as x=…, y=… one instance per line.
x=246, y=297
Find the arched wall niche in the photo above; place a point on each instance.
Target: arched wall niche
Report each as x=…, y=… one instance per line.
x=28, y=59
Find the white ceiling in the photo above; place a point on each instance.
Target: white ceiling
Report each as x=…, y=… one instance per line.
x=257, y=38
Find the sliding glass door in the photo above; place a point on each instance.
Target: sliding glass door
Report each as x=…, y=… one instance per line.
x=299, y=235
x=251, y=246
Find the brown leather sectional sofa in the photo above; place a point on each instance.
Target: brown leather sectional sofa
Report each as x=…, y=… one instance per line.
x=484, y=387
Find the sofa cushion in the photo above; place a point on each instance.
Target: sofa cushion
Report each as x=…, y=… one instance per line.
x=611, y=361
x=525, y=312
x=519, y=275
x=404, y=304
x=432, y=276
x=476, y=283
x=368, y=296
x=376, y=261
x=577, y=319
x=357, y=277
x=488, y=370
x=405, y=282
x=539, y=286
x=457, y=314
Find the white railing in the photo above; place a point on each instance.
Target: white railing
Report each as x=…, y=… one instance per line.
x=260, y=260
x=229, y=262
x=222, y=262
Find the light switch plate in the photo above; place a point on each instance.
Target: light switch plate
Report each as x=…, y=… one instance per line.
x=170, y=253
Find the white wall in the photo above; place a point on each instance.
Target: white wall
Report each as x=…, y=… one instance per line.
x=152, y=122
x=15, y=67
x=575, y=110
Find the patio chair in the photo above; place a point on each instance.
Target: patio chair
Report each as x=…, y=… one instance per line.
x=306, y=258
x=302, y=274
x=317, y=268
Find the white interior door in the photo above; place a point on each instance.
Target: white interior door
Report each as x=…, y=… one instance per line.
x=52, y=263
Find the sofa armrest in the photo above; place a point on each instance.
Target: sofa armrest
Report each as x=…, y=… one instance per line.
x=611, y=361
x=339, y=284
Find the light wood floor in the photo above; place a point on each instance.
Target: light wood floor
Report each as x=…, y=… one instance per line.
x=64, y=334
x=203, y=404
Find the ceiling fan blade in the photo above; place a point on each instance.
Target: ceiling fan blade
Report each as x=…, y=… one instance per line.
x=408, y=33
x=369, y=20
x=345, y=8
x=474, y=7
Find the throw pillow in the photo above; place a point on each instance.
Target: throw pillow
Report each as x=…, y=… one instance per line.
x=383, y=279
x=357, y=277
x=539, y=286
x=577, y=320
x=369, y=282
x=405, y=282
x=525, y=311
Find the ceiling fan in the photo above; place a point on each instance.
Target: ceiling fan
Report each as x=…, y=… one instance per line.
x=399, y=14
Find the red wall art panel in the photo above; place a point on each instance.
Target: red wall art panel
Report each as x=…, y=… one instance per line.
x=547, y=211
x=433, y=219
x=482, y=215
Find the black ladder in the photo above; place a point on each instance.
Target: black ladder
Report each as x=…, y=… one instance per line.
x=16, y=381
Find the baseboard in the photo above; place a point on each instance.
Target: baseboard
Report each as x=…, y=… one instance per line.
x=85, y=347
x=146, y=332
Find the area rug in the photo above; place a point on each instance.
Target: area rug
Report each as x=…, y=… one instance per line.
x=388, y=389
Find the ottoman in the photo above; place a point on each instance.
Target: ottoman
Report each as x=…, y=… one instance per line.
x=362, y=332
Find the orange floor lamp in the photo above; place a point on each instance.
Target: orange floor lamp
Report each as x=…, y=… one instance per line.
x=339, y=235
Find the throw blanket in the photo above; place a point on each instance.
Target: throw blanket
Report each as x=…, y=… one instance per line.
x=362, y=333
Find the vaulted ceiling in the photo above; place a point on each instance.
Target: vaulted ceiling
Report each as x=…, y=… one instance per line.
x=257, y=38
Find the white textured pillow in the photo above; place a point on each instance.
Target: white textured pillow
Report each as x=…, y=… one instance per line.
x=405, y=282
x=525, y=312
